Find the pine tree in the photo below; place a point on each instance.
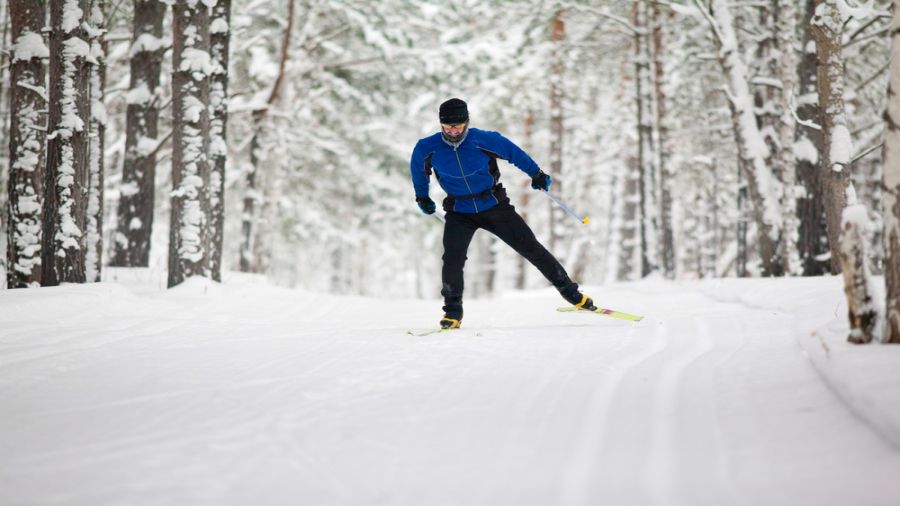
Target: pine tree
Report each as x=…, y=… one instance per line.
x=812, y=243
x=137, y=190
x=26, y=144
x=96, y=142
x=220, y=36
x=66, y=179
x=189, y=226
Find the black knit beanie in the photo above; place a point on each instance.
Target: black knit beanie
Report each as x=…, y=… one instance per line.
x=454, y=111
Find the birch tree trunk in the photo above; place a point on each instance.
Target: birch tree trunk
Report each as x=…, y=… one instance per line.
x=94, y=253
x=855, y=270
x=786, y=14
x=890, y=203
x=846, y=224
x=752, y=150
x=827, y=28
x=66, y=179
x=26, y=144
x=189, y=232
x=134, y=216
x=220, y=34
x=812, y=244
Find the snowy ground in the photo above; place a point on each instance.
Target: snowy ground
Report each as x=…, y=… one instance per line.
x=729, y=392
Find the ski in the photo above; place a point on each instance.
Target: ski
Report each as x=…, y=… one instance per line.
x=428, y=332
x=604, y=311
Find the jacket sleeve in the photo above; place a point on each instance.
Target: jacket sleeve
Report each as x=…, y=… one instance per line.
x=512, y=153
x=417, y=170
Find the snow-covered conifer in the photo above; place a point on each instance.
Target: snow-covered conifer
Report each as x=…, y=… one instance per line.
x=192, y=66
x=136, y=191
x=66, y=178
x=220, y=36
x=28, y=100
x=97, y=141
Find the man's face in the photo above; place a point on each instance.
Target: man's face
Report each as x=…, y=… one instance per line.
x=453, y=130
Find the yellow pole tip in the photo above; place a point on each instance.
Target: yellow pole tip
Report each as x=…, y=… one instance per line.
x=586, y=220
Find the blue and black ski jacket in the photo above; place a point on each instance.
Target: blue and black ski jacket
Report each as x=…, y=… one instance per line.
x=467, y=171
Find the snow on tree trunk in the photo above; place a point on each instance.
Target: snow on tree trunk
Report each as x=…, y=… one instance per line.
x=192, y=66
x=666, y=173
x=761, y=185
x=861, y=310
x=134, y=215
x=557, y=39
x=827, y=27
x=786, y=65
x=26, y=144
x=219, y=35
x=66, y=180
x=812, y=244
x=97, y=142
x=890, y=203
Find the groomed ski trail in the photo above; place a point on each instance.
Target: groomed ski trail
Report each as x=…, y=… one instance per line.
x=265, y=396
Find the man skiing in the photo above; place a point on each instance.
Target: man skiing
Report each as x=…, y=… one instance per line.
x=464, y=161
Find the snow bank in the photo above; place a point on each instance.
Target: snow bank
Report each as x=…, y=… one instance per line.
x=863, y=376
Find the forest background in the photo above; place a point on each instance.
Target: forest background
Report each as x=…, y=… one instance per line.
x=703, y=139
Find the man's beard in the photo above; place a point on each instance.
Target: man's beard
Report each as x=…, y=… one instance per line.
x=455, y=139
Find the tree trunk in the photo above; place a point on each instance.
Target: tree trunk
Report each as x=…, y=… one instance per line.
x=812, y=243
x=189, y=233
x=767, y=106
x=252, y=201
x=786, y=66
x=666, y=174
x=855, y=269
x=557, y=37
x=251, y=221
x=762, y=187
x=646, y=151
x=97, y=142
x=220, y=34
x=827, y=28
x=630, y=252
x=66, y=179
x=137, y=191
x=890, y=203
x=26, y=144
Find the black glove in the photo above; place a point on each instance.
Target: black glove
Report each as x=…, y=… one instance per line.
x=541, y=181
x=426, y=205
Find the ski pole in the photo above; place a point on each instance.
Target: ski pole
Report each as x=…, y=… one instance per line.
x=439, y=217
x=566, y=208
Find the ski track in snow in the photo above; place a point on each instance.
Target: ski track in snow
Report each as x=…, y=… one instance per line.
x=265, y=396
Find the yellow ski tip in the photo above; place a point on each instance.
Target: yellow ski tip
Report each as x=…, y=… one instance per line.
x=586, y=220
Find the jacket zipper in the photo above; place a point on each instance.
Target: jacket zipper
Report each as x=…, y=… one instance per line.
x=459, y=162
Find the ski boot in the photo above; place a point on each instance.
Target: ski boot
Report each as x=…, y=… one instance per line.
x=586, y=303
x=448, y=322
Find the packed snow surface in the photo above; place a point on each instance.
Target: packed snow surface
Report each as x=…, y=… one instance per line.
x=728, y=392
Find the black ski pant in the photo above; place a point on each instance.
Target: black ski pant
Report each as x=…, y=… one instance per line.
x=504, y=222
